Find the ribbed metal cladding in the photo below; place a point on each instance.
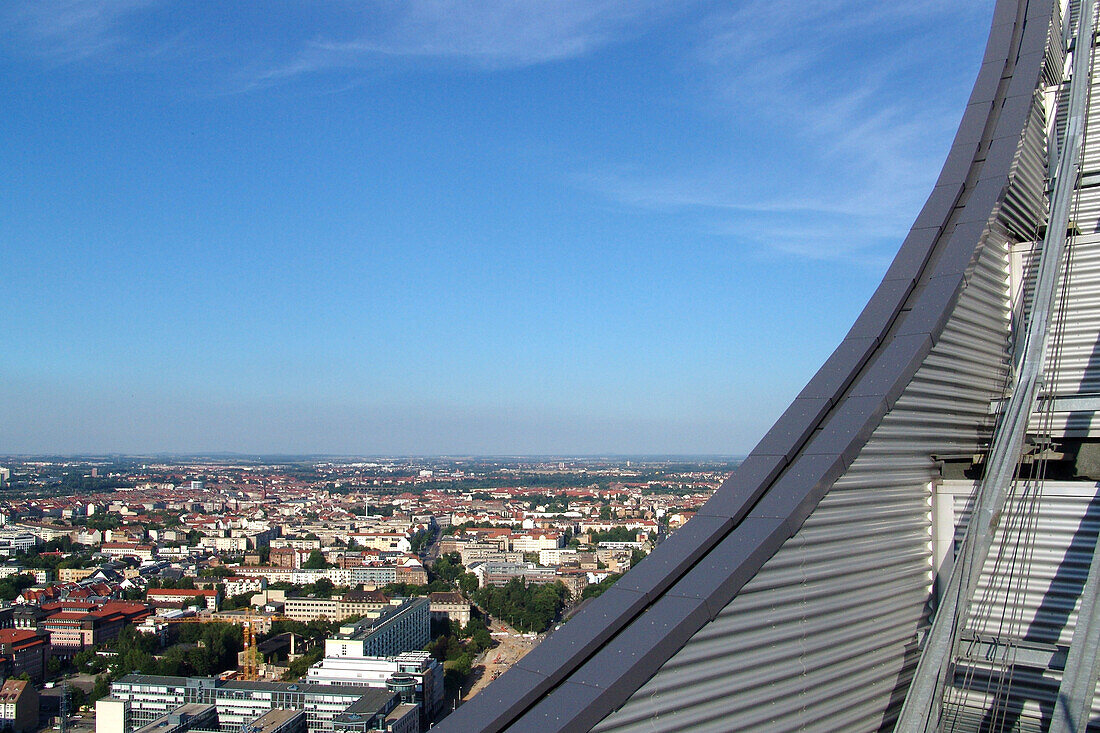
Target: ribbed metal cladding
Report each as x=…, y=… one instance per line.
x=1056, y=52
x=823, y=637
x=1025, y=202
x=1027, y=594
x=1076, y=365
x=1073, y=359
x=1090, y=153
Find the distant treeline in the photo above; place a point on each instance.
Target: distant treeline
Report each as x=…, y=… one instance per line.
x=67, y=485
x=548, y=481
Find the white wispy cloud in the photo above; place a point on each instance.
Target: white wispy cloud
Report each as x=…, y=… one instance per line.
x=863, y=152
x=856, y=143
x=66, y=31
x=485, y=34
x=482, y=34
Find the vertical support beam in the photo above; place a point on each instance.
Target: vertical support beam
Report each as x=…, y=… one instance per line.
x=1074, y=701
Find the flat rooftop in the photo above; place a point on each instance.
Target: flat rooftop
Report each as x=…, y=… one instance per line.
x=272, y=720
x=180, y=718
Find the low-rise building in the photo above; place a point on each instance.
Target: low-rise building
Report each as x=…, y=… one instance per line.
x=499, y=573
x=23, y=651
x=395, y=541
x=388, y=673
x=574, y=580
x=18, y=706
x=235, y=586
x=534, y=541
x=451, y=607
x=72, y=631
x=73, y=575
x=208, y=598
x=128, y=549
x=138, y=700
x=412, y=573
x=288, y=557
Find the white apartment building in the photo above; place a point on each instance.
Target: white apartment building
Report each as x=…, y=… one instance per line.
x=378, y=671
x=140, y=699
x=535, y=541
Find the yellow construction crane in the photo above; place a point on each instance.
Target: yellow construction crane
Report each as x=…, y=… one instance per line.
x=249, y=623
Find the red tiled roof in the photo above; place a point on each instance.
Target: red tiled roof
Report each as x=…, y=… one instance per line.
x=12, y=689
x=20, y=638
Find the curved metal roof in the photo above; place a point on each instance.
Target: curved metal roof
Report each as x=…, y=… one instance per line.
x=595, y=662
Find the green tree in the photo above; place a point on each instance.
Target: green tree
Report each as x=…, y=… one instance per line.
x=527, y=607
x=597, y=589
x=219, y=571
x=615, y=534
x=301, y=665
x=13, y=585
x=316, y=561
x=101, y=689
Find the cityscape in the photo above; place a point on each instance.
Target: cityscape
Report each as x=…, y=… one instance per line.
x=403, y=585
x=555, y=366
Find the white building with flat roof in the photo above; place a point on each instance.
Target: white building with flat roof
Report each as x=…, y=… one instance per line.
x=379, y=672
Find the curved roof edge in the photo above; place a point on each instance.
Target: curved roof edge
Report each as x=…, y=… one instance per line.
x=593, y=663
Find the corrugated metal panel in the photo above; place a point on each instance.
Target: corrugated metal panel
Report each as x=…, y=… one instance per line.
x=1086, y=211
x=1024, y=207
x=1073, y=359
x=1056, y=52
x=822, y=637
x=1090, y=154
x=1028, y=591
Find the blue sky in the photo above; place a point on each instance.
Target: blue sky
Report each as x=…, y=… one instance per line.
x=489, y=227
